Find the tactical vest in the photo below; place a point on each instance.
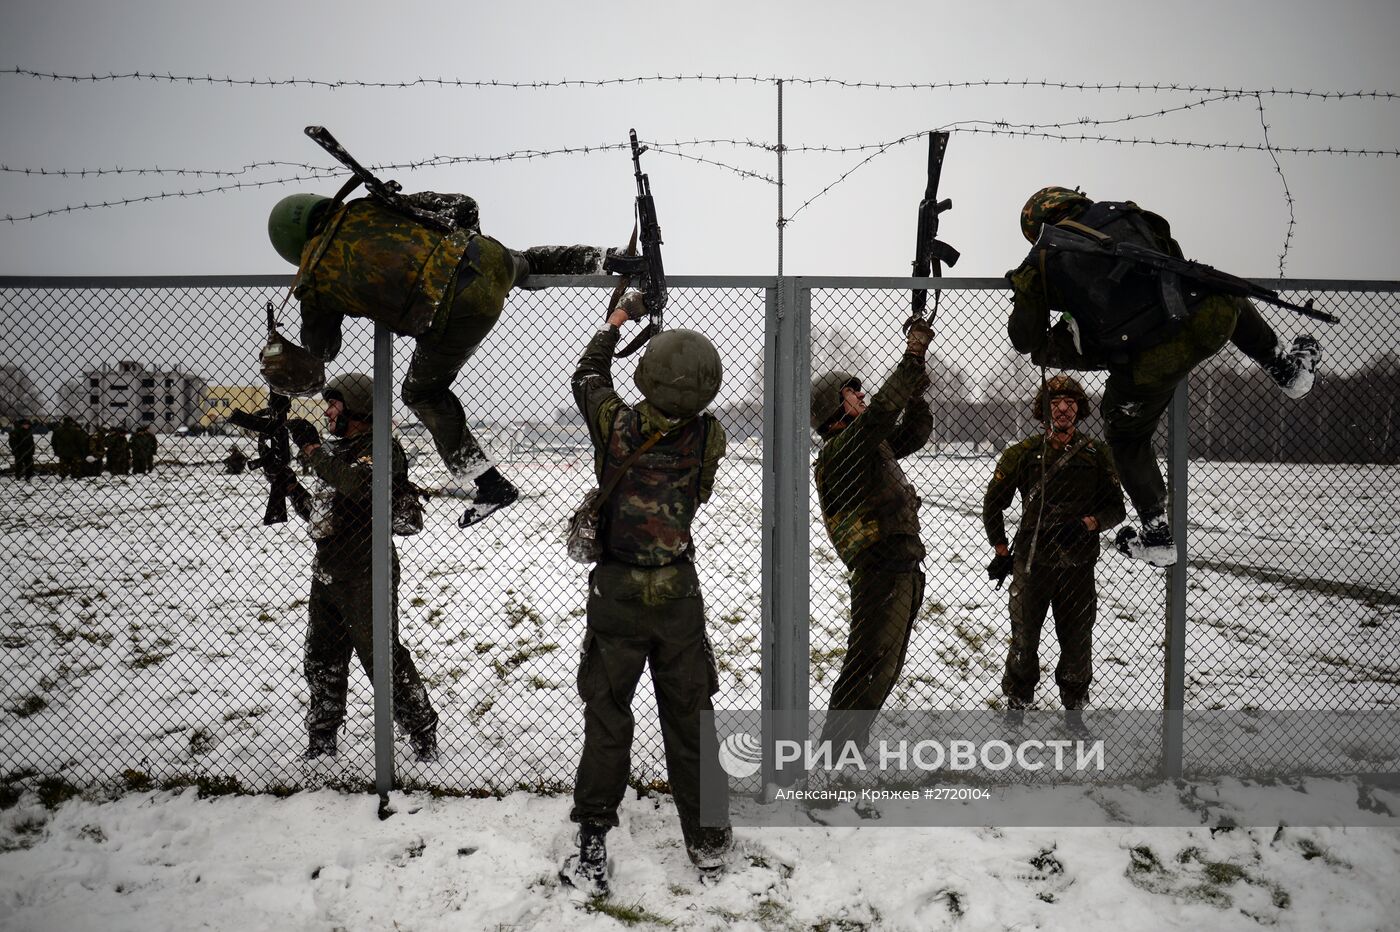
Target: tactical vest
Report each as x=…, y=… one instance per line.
x=647, y=518
x=1117, y=306
x=371, y=261
x=867, y=508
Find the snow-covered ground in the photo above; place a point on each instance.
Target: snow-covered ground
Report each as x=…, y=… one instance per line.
x=154, y=625
x=321, y=860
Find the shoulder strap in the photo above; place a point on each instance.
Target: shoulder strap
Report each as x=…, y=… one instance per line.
x=1075, y=445
x=632, y=458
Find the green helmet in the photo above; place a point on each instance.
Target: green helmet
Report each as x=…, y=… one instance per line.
x=680, y=373
x=292, y=222
x=1049, y=205
x=355, y=390
x=290, y=369
x=1058, y=385
x=826, y=395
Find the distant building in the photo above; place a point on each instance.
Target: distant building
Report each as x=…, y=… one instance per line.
x=221, y=400
x=129, y=395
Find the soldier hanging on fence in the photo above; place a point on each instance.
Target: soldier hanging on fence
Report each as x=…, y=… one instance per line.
x=871, y=513
x=1148, y=328
x=444, y=285
x=1069, y=495
x=645, y=608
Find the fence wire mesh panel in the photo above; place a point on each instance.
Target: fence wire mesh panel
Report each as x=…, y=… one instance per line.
x=156, y=630
x=965, y=440
x=1294, y=581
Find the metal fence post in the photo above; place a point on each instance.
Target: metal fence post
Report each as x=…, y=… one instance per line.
x=1174, y=698
x=786, y=365
x=381, y=570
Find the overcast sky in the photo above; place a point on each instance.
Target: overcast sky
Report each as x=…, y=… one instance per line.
x=1226, y=207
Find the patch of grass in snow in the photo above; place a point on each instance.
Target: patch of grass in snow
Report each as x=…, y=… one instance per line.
x=27, y=706
x=54, y=791
x=628, y=915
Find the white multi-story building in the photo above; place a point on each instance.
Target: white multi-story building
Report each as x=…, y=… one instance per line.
x=129, y=395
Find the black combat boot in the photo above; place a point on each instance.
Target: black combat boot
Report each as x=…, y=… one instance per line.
x=1154, y=544
x=424, y=744
x=493, y=492
x=1015, y=715
x=588, y=870
x=708, y=848
x=1074, y=724
x=320, y=744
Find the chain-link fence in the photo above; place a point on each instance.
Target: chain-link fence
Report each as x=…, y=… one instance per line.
x=155, y=628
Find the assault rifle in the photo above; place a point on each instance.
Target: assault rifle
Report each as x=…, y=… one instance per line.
x=386, y=192
x=1082, y=239
x=274, y=451
x=929, y=251
x=274, y=446
x=648, y=265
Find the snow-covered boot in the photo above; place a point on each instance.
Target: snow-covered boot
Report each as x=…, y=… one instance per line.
x=588, y=870
x=1153, y=544
x=1295, y=369
x=320, y=744
x=493, y=492
x=709, y=849
x=424, y=744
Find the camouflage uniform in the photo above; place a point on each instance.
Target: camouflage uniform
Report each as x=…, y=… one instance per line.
x=871, y=512
x=1140, y=386
x=1061, y=573
x=460, y=305
x=644, y=602
x=22, y=448
x=338, y=510
x=70, y=446
x=118, y=453
x=143, y=450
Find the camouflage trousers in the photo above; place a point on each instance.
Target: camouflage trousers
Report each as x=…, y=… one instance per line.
x=341, y=623
x=1138, y=394
x=70, y=467
x=440, y=354
x=1070, y=592
x=140, y=464
x=885, y=599
x=641, y=617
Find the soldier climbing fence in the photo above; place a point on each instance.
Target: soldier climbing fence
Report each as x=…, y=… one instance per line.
x=155, y=631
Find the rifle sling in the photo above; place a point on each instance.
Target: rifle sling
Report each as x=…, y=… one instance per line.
x=1075, y=445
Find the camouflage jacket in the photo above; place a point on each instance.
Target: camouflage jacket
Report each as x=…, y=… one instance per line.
x=864, y=494
x=1086, y=485
x=338, y=508
x=646, y=520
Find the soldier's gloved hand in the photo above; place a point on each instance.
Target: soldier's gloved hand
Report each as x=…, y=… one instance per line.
x=920, y=336
x=1000, y=568
x=633, y=304
x=302, y=433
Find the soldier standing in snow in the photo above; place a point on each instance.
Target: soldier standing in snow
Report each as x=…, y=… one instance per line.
x=1069, y=495
x=871, y=513
x=447, y=290
x=70, y=446
x=1142, y=380
x=644, y=601
x=143, y=450
x=118, y=452
x=22, y=448
x=338, y=510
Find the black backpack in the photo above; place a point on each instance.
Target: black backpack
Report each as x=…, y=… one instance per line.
x=1119, y=306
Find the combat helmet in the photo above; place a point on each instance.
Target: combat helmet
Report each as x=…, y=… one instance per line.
x=355, y=390
x=293, y=221
x=680, y=373
x=1049, y=205
x=1060, y=385
x=290, y=369
x=826, y=396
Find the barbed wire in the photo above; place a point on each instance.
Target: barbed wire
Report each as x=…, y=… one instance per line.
x=422, y=81
x=1287, y=194
x=164, y=195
